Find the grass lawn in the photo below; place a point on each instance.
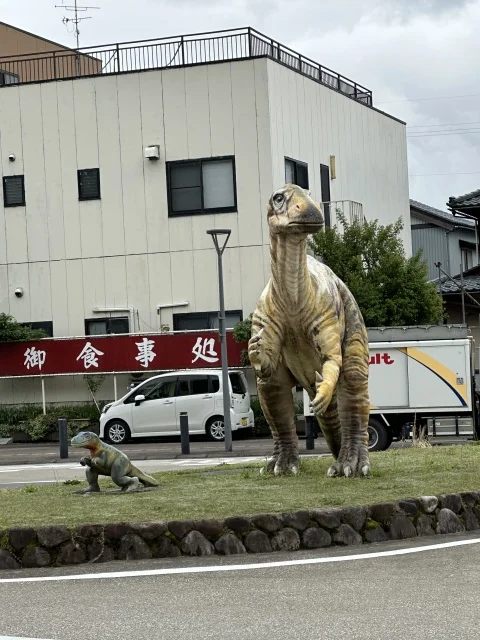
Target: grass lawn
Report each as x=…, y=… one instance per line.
x=185, y=495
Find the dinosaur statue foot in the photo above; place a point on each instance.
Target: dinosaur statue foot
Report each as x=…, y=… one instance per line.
x=132, y=486
x=349, y=466
x=92, y=489
x=283, y=464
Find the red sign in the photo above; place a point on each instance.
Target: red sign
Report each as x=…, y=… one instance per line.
x=117, y=354
x=378, y=358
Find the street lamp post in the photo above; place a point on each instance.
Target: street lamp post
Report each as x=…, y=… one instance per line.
x=215, y=233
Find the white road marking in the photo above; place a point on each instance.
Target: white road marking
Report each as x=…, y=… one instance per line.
x=18, y=638
x=244, y=567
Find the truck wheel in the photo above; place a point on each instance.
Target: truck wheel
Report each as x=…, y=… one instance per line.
x=378, y=439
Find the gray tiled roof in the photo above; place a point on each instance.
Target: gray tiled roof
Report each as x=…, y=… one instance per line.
x=471, y=199
x=442, y=215
x=470, y=283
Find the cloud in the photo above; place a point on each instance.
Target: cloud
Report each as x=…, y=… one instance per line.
x=401, y=49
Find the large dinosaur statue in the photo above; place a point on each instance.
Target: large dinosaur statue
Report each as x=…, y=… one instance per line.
x=307, y=330
x=105, y=460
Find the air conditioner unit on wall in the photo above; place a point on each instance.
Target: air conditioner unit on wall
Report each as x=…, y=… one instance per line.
x=152, y=152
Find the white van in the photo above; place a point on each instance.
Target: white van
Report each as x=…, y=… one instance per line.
x=153, y=407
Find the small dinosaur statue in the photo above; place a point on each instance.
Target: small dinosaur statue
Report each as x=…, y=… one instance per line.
x=307, y=330
x=105, y=460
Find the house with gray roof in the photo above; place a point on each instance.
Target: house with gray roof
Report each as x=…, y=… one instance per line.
x=443, y=236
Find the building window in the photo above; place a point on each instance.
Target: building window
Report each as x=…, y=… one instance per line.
x=204, y=320
x=296, y=173
x=105, y=326
x=13, y=191
x=325, y=188
x=88, y=184
x=8, y=78
x=467, y=259
x=201, y=186
x=47, y=327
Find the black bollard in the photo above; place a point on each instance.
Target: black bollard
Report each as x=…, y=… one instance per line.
x=62, y=432
x=184, y=434
x=309, y=434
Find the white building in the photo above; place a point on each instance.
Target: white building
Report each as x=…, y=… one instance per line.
x=103, y=239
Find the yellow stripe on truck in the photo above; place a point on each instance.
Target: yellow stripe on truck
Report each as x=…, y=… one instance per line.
x=437, y=367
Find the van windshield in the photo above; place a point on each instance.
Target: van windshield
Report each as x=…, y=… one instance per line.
x=237, y=383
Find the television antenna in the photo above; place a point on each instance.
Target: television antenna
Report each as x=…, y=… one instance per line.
x=76, y=9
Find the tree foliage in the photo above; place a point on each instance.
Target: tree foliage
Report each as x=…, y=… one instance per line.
x=389, y=288
x=13, y=331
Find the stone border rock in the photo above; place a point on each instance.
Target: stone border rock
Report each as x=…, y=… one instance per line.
x=57, y=545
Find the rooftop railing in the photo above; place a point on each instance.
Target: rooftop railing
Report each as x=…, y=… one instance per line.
x=164, y=53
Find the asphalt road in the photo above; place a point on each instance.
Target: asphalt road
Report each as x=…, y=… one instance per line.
x=342, y=594
x=169, y=449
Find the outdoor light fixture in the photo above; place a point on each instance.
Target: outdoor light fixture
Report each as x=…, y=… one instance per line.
x=225, y=234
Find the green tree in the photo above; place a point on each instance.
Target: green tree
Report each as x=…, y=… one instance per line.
x=13, y=331
x=389, y=288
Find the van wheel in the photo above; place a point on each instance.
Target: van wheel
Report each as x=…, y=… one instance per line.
x=378, y=439
x=117, y=432
x=216, y=429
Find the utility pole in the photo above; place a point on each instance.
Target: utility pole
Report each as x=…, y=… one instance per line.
x=76, y=8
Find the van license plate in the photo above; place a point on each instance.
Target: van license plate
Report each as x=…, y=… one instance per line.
x=244, y=422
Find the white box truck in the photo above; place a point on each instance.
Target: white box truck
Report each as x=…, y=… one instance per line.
x=418, y=375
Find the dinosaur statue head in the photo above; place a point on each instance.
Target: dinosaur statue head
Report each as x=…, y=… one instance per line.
x=292, y=210
x=85, y=439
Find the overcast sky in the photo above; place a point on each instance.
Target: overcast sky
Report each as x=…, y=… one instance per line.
x=421, y=59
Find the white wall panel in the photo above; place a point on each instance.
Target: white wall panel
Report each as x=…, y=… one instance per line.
x=175, y=115
x=53, y=172
x=18, y=277
x=109, y=159
x=34, y=168
x=59, y=295
x=221, y=109
x=76, y=310
x=151, y=103
x=206, y=280
x=93, y=285
x=39, y=291
x=86, y=128
x=246, y=152
x=68, y=163
x=160, y=289
x=138, y=290
x=198, y=112
x=132, y=164
x=115, y=281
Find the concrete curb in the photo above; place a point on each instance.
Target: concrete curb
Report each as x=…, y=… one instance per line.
x=58, y=545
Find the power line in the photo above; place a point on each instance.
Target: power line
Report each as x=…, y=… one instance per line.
x=424, y=175
x=468, y=95
x=447, y=133
x=442, y=124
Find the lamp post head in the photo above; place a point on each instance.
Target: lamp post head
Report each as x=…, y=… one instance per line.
x=219, y=232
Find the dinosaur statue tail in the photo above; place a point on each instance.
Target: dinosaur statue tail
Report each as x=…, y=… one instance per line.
x=147, y=481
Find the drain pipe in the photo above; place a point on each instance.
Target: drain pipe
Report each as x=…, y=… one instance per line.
x=131, y=311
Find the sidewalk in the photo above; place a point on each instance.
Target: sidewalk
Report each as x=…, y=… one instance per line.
x=15, y=454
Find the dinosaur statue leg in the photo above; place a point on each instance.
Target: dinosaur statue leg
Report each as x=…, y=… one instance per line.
x=118, y=473
x=92, y=479
x=354, y=411
x=330, y=425
x=275, y=395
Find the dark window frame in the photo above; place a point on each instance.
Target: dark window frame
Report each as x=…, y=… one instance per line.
x=107, y=320
x=46, y=325
x=5, y=180
x=4, y=74
x=202, y=210
x=202, y=314
x=296, y=164
x=79, y=182
x=325, y=181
